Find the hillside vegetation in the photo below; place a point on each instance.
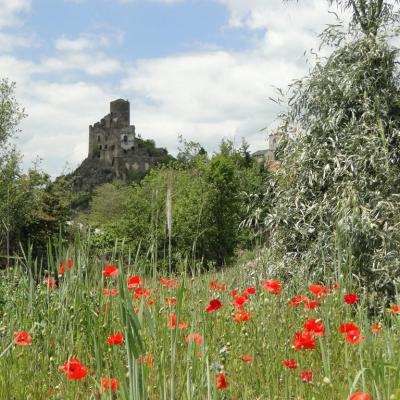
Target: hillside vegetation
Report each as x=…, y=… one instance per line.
x=215, y=277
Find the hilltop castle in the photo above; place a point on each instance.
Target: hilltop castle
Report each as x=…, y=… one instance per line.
x=115, y=151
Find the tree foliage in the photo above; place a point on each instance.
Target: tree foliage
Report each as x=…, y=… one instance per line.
x=200, y=196
x=32, y=207
x=336, y=193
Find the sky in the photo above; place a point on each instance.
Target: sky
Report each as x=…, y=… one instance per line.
x=203, y=69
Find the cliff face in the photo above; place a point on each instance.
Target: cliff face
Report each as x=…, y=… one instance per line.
x=95, y=171
x=91, y=173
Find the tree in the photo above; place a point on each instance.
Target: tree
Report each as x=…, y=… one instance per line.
x=202, y=197
x=10, y=115
x=109, y=203
x=337, y=197
x=10, y=111
x=224, y=207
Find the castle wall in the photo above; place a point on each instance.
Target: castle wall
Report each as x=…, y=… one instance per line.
x=113, y=140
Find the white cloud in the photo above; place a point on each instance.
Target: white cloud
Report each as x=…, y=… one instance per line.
x=9, y=10
x=82, y=54
x=276, y=14
x=151, y=1
x=213, y=94
x=89, y=41
x=56, y=128
x=204, y=95
x=9, y=42
x=96, y=64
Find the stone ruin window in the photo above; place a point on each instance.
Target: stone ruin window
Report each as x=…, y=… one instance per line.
x=125, y=138
x=105, y=147
x=112, y=147
x=100, y=147
x=98, y=138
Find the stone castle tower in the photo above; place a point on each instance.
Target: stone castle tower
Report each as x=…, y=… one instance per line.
x=268, y=155
x=115, y=151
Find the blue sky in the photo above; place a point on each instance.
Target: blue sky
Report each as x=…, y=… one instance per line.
x=147, y=29
x=201, y=68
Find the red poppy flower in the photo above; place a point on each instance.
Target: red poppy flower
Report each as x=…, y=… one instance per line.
x=318, y=290
x=110, y=292
x=310, y=304
x=172, y=322
x=151, y=301
x=242, y=316
x=141, y=292
x=250, y=290
x=306, y=376
x=74, y=369
x=134, y=281
x=170, y=301
x=109, y=384
x=22, y=338
x=273, y=286
x=214, y=285
x=360, y=396
x=352, y=333
x=303, y=341
x=182, y=325
x=214, y=305
x=61, y=271
x=395, y=309
x=50, y=282
x=240, y=301
x=115, y=339
x=376, y=327
x=315, y=327
x=149, y=359
x=110, y=270
x=292, y=364
x=169, y=283
x=351, y=298
x=221, y=381
x=234, y=293
x=62, y=266
x=247, y=359
x=296, y=301
x=196, y=337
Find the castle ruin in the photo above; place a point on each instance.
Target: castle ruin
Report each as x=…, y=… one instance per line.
x=115, y=151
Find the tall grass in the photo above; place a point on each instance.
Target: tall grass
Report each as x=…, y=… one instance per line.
x=75, y=319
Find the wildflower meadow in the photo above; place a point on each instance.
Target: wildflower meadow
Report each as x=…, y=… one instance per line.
x=216, y=273
x=93, y=328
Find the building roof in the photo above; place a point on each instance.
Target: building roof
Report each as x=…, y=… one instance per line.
x=259, y=153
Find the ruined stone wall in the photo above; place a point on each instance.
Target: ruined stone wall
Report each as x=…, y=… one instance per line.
x=113, y=143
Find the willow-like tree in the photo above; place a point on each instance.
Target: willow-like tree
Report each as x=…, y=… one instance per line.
x=337, y=190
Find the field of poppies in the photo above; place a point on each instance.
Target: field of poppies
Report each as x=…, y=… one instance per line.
x=106, y=328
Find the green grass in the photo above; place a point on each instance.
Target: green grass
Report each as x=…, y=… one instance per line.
x=72, y=321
